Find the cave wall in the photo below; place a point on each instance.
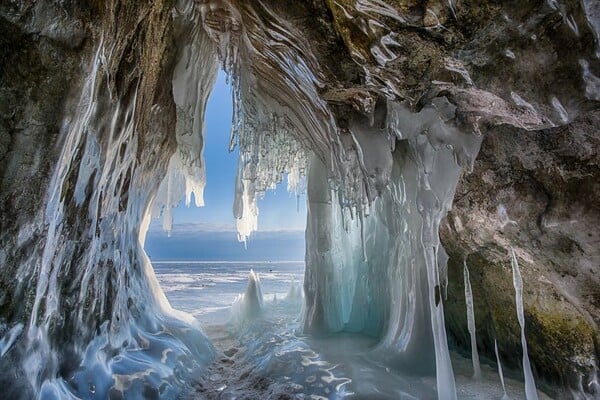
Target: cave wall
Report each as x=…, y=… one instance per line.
x=534, y=185
x=537, y=193
x=88, y=117
x=87, y=131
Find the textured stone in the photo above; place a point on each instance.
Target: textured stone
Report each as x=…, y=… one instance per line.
x=536, y=192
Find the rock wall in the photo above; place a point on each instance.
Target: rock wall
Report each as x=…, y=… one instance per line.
x=536, y=192
x=88, y=122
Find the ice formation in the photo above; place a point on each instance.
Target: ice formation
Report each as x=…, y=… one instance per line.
x=294, y=294
x=500, y=373
x=193, y=79
x=380, y=161
x=530, y=389
x=9, y=338
x=250, y=304
x=471, y=323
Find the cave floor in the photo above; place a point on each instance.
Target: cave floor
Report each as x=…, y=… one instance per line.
x=266, y=359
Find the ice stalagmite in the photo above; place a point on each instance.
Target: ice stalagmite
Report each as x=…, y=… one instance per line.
x=471, y=323
x=504, y=396
x=530, y=390
x=250, y=304
x=294, y=293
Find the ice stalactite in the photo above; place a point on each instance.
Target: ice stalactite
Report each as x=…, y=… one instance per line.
x=268, y=122
x=500, y=373
x=400, y=288
x=471, y=322
x=530, y=390
x=193, y=78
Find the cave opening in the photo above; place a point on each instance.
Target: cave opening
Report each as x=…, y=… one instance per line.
x=384, y=111
x=199, y=262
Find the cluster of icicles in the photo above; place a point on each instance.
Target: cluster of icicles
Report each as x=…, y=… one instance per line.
x=530, y=390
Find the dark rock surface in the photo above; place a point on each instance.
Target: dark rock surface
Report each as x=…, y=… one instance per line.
x=536, y=192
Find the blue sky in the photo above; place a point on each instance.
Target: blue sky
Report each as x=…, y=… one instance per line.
x=277, y=211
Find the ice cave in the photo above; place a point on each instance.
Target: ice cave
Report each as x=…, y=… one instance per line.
x=448, y=152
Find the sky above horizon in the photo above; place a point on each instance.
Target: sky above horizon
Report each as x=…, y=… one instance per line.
x=278, y=211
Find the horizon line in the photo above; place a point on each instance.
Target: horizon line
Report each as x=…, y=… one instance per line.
x=226, y=261
x=173, y=231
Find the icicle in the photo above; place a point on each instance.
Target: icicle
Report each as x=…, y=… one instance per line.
x=471, y=323
x=362, y=236
x=530, y=390
x=10, y=338
x=451, y=4
x=504, y=396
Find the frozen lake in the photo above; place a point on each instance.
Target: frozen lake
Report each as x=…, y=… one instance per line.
x=207, y=289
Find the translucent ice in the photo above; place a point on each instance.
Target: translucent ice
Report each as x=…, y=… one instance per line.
x=530, y=389
x=500, y=374
x=471, y=323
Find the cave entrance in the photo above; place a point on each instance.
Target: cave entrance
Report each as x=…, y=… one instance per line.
x=200, y=264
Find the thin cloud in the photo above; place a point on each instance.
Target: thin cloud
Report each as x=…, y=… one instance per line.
x=195, y=228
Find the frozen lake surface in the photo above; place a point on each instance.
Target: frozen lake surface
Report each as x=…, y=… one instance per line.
x=207, y=289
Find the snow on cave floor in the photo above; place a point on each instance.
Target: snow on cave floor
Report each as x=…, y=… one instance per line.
x=266, y=359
